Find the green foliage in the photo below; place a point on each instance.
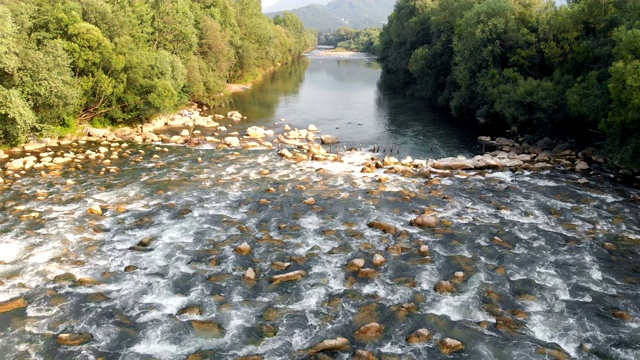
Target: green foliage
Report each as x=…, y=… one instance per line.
x=68, y=62
x=524, y=65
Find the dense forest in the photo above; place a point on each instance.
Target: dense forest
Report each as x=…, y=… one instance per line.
x=65, y=62
x=346, y=39
x=524, y=65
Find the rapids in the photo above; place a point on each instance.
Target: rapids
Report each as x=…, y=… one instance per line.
x=550, y=287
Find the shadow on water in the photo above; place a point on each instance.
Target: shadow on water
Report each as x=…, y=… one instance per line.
x=262, y=100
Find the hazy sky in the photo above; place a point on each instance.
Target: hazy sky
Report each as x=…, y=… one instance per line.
x=268, y=2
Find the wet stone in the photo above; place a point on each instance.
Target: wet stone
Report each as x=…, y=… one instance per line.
x=97, y=297
x=419, y=336
x=130, y=268
x=363, y=355
x=621, y=315
x=444, y=287
x=448, y=346
x=207, y=329
x=74, y=339
x=369, y=332
x=367, y=314
x=367, y=273
x=386, y=228
x=62, y=278
x=356, y=264
x=337, y=344
x=13, y=304
x=190, y=310
x=202, y=355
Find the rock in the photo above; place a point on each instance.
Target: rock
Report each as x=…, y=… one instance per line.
x=309, y=201
x=424, y=250
x=95, y=210
x=367, y=273
x=337, y=344
x=243, y=249
x=74, y=339
x=581, y=165
x=356, y=264
x=278, y=265
x=609, y=246
x=444, y=287
x=249, y=275
x=312, y=127
x=459, y=275
x=378, y=260
x=99, y=133
x=285, y=154
x=458, y=163
x=130, y=268
x=234, y=115
x=207, y=329
x=292, y=276
x=202, y=355
x=425, y=221
x=17, y=164
x=255, y=132
x=190, y=310
x=622, y=315
x=86, y=281
x=231, y=141
x=496, y=240
x=448, y=346
x=363, y=355
x=65, y=277
x=386, y=228
x=13, y=304
x=369, y=332
x=329, y=139
x=419, y=336
x=33, y=146
x=184, y=132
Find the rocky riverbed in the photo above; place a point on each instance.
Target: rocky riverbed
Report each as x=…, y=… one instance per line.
x=234, y=241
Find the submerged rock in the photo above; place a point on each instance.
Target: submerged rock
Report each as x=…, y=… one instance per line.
x=74, y=339
x=13, y=304
x=622, y=315
x=337, y=344
x=207, y=328
x=386, y=228
x=363, y=355
x=190, y=310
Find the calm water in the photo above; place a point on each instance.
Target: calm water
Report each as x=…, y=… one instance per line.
x=555, y=288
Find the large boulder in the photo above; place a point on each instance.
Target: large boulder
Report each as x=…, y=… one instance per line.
x=74, y=339
x=207, y=329
x=16, y=164
x=444, y=287
x=419, y=336
x=458, y=163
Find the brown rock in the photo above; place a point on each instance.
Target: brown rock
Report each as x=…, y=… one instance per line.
x=425, y=221
x=622, y=315
x=496, y=240
x=609, y=246
x=249, y=275
x=386, y=228
x=419, y=336
x=243, y=249
x=250, y=357
x=280, y=265
x=190, y=310
x=95, y=210
x=369, y=332
x=337, y=344
x=378, y=260
x=201, y=355
x=355, y=264
x=424, y=250
x=13, y=304
x=207, y=329
x=363, y=355
x=87, y=282
x=292, y=276
x=444, y=287
x=367, y=314
x=130, y=268
x=74, y=339
x=367, y=273
x=448, y=346
x=309, y=201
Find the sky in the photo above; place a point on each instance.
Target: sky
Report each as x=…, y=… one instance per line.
x=268, y=2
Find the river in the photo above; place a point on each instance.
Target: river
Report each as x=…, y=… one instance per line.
x=157, y=276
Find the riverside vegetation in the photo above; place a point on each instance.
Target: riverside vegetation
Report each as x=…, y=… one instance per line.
x=70, y=62
x=524, y=65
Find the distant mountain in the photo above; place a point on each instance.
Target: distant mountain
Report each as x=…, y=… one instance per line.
x=284, y=5
x=356, y=14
